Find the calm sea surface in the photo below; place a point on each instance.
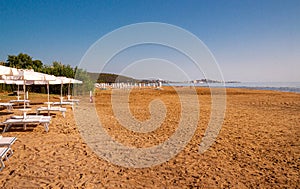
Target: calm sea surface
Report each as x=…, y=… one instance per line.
x=276, y=86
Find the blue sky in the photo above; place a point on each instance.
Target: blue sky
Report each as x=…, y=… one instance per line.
x=251, y=40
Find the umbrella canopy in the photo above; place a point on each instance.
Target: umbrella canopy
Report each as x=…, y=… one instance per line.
x=16, y=82
x=65, y=80
x=4, y=70
x=9, y=72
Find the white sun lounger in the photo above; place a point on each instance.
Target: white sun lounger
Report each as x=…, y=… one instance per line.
x=51, y=109
x=63, y=103
x=73, y=100
x=20, y=101
x=5, y=153
x=7, y=142
x=27, y=116
x=45, y=120
x=9, y=106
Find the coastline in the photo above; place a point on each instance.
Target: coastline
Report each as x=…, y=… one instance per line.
x=273, y=86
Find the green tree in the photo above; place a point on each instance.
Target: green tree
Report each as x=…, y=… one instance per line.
x=24, y=61
x=37, y=65
x=59, y=69
x=21, y=61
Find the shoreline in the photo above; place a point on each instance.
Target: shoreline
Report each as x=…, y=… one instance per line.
x=273, y=86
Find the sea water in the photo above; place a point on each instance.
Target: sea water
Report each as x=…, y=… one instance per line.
x=276, y=86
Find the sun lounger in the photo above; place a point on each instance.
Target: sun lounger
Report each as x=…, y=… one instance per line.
x=28, y=116
x=73, y=100
x=7, y=142
x=5, y=153
x=51, y=109
x=20, y=101
x=44, y=120
x=63, y=103
x=9, y=106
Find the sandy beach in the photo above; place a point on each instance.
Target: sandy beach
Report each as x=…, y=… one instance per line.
x=258, y=145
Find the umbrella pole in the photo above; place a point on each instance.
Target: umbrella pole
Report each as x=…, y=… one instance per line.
x=61, y=88
x=69, y=89
x=24, y=89
x=48, y=92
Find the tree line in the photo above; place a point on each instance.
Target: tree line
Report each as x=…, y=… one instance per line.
x=111, y=78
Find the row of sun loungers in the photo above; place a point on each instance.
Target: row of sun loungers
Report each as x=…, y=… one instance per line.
x=6, y=142
x=35, y=119
x=48, y=109
x=9, y=105
x=5, y=149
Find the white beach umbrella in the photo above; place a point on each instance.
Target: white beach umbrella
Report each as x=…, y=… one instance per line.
x=58, y=80
x=44, y=79
x=65, y=80
x=31, y=76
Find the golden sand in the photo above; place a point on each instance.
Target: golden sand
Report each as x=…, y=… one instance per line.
x=258, y=145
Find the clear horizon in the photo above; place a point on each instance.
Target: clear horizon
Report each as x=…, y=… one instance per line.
x=252, y=41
